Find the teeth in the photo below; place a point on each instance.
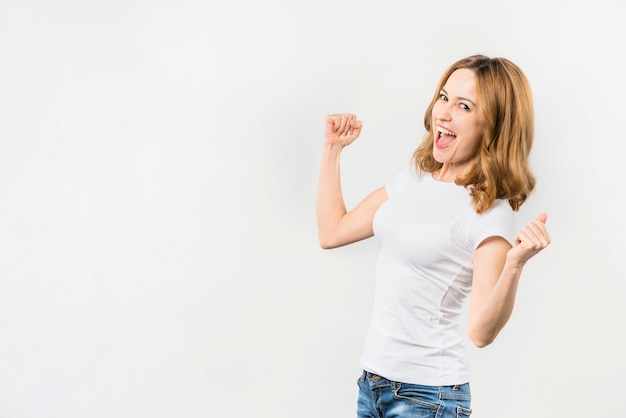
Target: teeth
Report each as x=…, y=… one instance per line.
x=445, y=131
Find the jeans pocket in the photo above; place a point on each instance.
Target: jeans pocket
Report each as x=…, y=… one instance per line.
x=422, y=396
x=361, y=378
x=463, y=412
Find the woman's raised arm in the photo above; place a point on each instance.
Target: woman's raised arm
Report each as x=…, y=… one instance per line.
x=336, y=226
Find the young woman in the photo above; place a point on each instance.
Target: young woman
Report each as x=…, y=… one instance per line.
x=446, y=230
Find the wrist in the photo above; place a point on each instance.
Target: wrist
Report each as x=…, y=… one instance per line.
x=513, y=267
x=332, y=148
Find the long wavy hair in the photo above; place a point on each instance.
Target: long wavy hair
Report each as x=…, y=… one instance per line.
x=501, y=169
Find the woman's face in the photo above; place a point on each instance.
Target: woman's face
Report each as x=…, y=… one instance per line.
x=457, y=121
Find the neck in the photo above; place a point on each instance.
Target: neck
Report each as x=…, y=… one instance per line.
x=446, y=174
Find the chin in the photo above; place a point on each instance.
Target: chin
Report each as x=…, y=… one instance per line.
x=439, y=158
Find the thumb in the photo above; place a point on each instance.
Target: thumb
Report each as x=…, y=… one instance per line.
x=542, y=218
x=356, y=124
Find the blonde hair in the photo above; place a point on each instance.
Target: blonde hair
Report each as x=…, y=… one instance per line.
x=501, y=169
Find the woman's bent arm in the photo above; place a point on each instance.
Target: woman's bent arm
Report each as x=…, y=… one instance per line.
x=336, y=226
x=497, y=271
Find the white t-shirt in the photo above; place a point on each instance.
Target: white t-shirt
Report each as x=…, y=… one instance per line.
x=428, y=231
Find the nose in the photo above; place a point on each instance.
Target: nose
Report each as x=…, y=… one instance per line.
x=442, y=111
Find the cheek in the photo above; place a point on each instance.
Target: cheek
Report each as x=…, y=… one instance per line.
x=433, y=113
x=473, y=139
x=477, y=132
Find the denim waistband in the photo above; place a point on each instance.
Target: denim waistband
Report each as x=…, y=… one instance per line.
x=460, y=391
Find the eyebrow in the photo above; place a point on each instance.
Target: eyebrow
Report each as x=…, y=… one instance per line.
x=460, y=97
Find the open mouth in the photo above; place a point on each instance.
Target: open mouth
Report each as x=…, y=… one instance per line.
x=444, y=137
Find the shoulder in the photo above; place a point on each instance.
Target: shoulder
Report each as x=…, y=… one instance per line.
x=497, y=221
x=500, y=208
x=402, y=179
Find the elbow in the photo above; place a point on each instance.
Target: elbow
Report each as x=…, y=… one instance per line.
x=327, y=243
x=329, y=239
x=481, y=339
x=481, y=343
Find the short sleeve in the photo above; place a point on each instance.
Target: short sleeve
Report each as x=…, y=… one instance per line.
x=498, y=221
x=399, y=181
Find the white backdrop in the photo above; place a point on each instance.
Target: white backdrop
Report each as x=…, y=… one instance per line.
x=158, y=170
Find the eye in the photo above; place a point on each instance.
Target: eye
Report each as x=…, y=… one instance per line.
x=464, y=106
x=443, y=97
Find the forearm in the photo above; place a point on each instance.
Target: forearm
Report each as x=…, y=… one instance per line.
x=330, y=206
x=497, y=308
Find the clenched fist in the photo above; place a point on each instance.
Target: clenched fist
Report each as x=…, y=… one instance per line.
x=529, y=241
x=342, y=129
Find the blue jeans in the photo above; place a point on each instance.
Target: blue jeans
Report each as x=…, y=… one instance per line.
x=379, y=397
